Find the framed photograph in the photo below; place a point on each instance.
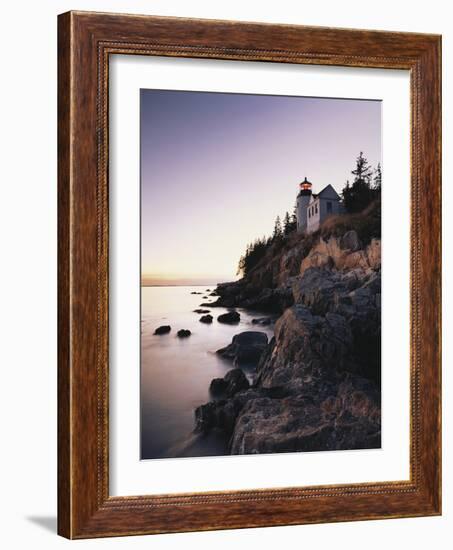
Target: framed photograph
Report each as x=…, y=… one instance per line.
x=249, y=275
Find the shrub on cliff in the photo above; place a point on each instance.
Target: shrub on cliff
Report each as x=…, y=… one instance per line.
x=367, y=224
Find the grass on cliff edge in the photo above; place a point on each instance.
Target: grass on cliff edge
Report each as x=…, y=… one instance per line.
x=367, y=225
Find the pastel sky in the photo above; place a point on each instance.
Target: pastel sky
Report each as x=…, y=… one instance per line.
x=217, y=169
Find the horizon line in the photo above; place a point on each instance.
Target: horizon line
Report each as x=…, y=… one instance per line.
x=197, y=282
x=179, y=284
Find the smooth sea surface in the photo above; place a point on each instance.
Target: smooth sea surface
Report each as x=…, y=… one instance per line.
x=176, y=372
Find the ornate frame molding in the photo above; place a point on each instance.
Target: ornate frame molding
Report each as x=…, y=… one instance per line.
x=86, y=40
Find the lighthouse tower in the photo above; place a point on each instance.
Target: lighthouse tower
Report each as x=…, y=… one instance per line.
x=303, y=198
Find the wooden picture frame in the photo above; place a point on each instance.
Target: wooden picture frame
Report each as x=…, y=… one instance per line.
x=85, y=42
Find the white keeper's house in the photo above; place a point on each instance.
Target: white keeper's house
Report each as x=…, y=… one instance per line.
x=312, y=209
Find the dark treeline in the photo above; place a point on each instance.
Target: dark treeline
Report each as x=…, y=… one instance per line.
x=256, y=250
x=365, y=188
x=355, y=197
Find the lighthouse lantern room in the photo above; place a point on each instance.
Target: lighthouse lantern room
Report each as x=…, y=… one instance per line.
x=302, y=201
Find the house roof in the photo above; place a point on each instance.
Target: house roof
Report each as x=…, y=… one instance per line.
x=328, y=193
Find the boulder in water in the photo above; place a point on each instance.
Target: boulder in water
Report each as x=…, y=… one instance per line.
x=263, y=321
x=231, y=318
x=218, y=386
x=164, y=329
x=207, y=319
x=245, y=348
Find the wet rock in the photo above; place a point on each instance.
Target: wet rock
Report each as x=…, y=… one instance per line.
x=259, y=297
x=183, y=333
x=218, y=386
x=201, y=310
x=216, y=415
x=222, y=414
x=245, y=348
x=262, y=321
x=207, y=319
x=341, y=414
x=270, y=300
x=164, y=329
x=228, y=294
x=233, y=382
x=232, y=318
x=237, y=381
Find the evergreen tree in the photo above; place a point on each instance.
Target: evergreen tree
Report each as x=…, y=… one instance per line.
x=363, y=170
x=278, y=232
x=294, y=218
x=287, y=224
x=254, y=253
x=360, y=194
x=377, y=181
x=345, y=195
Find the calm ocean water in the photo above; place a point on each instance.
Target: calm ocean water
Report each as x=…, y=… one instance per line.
x=176, y=373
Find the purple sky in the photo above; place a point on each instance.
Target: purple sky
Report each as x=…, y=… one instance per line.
x=216, y=170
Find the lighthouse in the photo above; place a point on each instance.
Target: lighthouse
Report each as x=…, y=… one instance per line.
x=302, y=201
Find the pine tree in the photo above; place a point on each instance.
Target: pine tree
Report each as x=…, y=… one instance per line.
x=377, y=181
x=294, y=218
x=253, y=255
x=278, y=232
x=345, y=194
x=286, y=224
x=363, y=170
x=360, y=194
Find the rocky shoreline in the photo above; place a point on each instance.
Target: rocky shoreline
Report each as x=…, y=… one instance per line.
x=316, y=384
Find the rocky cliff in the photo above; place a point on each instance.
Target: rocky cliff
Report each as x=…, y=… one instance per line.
x=316, y=384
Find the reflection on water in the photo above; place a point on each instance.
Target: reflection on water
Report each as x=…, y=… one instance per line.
x=176, y=373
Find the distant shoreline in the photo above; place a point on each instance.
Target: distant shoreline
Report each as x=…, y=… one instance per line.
x=148, y=285
x=180, y=284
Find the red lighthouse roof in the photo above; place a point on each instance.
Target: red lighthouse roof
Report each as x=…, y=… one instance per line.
x=305, y=184
x=305, y=187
